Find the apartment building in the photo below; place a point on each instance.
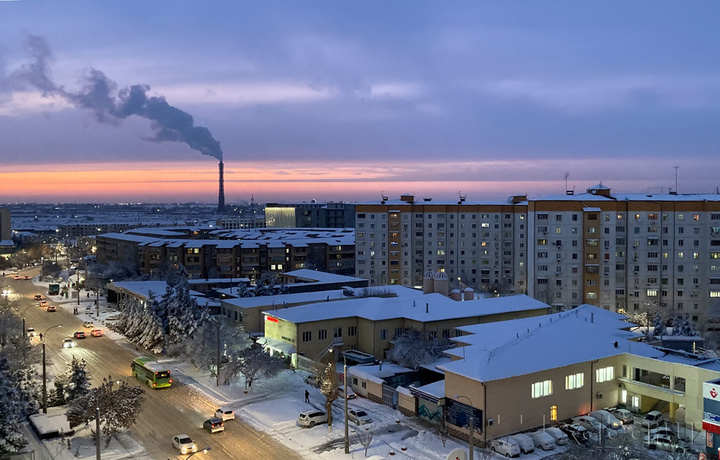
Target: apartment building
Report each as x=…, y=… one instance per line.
x=310, y=215
x=628, y=253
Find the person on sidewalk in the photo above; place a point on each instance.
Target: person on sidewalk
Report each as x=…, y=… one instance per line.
x=307, y=396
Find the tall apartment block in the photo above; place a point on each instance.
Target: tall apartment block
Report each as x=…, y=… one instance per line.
x=628, y=253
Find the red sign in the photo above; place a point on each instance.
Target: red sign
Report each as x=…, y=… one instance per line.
x=270, y=318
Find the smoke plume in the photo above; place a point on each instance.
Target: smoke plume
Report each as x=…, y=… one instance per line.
x=109, y=104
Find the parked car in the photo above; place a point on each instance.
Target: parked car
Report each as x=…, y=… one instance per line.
x=184, y=444
x=653, y=419
x=505, y=446
x=606, y=418
x=350, y=394
x=560, y=438
x=524, y=441
x=624, y=415
x=663, y=431
x=663, y=443
x=225, y=414
x=576, y=432
x=312, y=380
x=310, y=418
x=51, y=308
x=359, y=416
x=89, y=324
x=38, y=296
x=79, y=335
x=589, y=423
x=214, y=425
x=543, y=440
x=68, y=343
x=96, y=333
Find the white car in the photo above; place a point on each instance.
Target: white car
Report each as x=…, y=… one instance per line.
x=624, y=415
x=506, y=447
x=224, y=413
x=588, y=423
x=663, y=443
x=359, y=416
x=68, y=343
x=606, y=418
x=184, y=444
x=310, y=418
x=350, y=394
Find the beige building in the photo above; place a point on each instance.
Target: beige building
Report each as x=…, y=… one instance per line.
x=525, y=373
x=369, y=324
x=622, y=252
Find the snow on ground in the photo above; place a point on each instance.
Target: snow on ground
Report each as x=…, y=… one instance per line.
x=272, y=407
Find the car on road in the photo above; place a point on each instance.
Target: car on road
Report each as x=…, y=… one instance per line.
x=312, y=417
x=576, y=432
x=350, y=393
x=88, y=309
x=51, y=308
x=214, y=425
x=43, y=303
x=96, y=333
x=184, y=444
x=624, y=415
x=359, y=416
x=79, y=335
x=38, y=296
x=17, y=277
x=224, y=414
x=31, y=332
x=68, y=343
x=312, y=380
x=89, y=324
x=589, y=423
x=505, y=446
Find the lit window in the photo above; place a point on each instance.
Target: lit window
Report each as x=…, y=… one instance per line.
x=605, y=374
x=541, y=389
x=574, y=381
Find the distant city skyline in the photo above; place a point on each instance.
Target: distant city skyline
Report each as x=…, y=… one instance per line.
x=347, y=101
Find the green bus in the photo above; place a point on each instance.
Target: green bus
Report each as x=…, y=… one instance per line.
x=148, y=370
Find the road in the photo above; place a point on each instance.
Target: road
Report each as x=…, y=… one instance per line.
x=166, y=412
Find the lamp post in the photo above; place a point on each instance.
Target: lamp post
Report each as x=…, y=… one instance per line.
x=44, y=370
x=204, y=451
x=472, y=424
x=345, y=394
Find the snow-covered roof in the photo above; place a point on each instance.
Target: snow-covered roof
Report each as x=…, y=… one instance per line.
x=377, y=372
x=280, y=300
x=142, y=288
x=523, y=346
x=419, y=307
x=307, y=275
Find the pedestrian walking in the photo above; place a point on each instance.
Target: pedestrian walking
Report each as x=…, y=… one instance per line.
x=307, y=396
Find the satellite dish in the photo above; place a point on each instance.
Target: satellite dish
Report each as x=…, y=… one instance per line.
x=457, y=454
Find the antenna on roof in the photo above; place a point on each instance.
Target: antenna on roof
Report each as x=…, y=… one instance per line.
x=384, y=197
x=462, y=197
x=676, y=183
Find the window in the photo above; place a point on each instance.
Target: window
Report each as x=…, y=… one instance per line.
x=553, y=413
x=574, y=381
x=322, y=334
x=337, y=332
x=383, y=334
x=541, y=389
x=352, y=331
x=605, y=374
x=307, y=336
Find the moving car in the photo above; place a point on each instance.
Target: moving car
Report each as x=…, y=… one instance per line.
x=51, y=308
x=350, y=394
x=214, y=425
x=225, y=414
x=184, y=444
x=43, y=303
x=79, y=335
x=68, y=343
x=89, y=324
x=624, y=415
x=359, y=416
x=576, y=432
x=505, y=446
x=310, y=418
x=96, y=333
x=38, y=296
x=589, y=423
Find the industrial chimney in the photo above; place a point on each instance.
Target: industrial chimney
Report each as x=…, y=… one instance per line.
x=221, y=193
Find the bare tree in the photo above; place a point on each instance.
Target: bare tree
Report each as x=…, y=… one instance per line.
x=329, y=387
x=365, y=438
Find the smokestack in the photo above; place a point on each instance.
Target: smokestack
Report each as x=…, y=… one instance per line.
x=221, y=193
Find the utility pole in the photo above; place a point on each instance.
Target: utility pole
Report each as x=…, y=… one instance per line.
x=217, y=358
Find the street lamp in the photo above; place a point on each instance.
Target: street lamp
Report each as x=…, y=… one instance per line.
x=44, y=373
x=345, y=395
x=472, y=424
x=204, y=451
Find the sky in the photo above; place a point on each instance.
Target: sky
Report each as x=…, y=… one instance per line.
x=348, y=101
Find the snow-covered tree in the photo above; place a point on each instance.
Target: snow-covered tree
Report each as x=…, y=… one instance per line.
x=78, y=379
x=119, y=405
x=253, y=363
x=184, y=314
x=11, y=414
x=18, y=360
x=682, y=325
x=659, y=328
x=329, y=387
x=414, y=348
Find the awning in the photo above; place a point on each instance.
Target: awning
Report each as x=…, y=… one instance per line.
x=279, y=345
